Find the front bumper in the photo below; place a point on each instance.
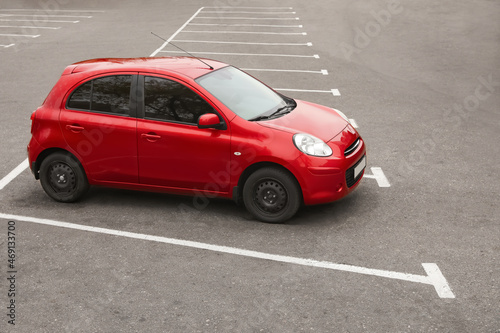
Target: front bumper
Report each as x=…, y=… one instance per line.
x=329, y=179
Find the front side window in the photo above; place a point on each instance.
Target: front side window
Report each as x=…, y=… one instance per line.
x=110, y=94
x=169, y=100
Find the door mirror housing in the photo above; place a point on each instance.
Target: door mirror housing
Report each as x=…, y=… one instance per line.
x=210, y=120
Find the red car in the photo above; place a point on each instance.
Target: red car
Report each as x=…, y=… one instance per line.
x=190, y=126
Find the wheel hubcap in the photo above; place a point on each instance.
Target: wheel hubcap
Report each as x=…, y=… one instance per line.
x=270, y=196
x=62, y=178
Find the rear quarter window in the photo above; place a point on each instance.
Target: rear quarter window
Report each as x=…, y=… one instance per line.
x=109, y=94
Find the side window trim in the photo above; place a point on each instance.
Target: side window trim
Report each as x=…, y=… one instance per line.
x=133, y=106
x=140, y=96
x=133, y=102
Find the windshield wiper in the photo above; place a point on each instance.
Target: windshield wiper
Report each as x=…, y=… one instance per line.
x=259, y=118
x=282, y=111
x=279, y=112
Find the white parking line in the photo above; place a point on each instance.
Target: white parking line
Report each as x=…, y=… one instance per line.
x=249, y=25
x=28, y=27
x=51, y=10
x=247, y=32
x=44, y=15
x=240, y=43
x=6, y=46
x=236, y=12
x=379, y=176
x=323, y=71
x=249, y=18
x=14, y=173
x=44, y=21
x=334, y=92
x=250, y=54
x=175, y=33
x=434, y=276
x=229, y=7
x=18, y=35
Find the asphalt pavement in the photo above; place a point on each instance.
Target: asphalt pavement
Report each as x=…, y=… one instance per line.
x=416, y=248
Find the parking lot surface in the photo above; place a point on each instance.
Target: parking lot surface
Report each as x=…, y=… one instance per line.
x=414, y=249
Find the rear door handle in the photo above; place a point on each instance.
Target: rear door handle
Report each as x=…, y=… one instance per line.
x=74, y=128
x=151, y=137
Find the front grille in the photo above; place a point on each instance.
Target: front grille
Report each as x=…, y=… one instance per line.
x=351, y=148
x=349, y=175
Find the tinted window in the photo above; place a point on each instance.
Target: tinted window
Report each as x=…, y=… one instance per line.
x=168, y=100
x=107, y=94
x=80, y=99
x=111, y=94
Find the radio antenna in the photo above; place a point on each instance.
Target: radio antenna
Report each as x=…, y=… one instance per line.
x=182, y=50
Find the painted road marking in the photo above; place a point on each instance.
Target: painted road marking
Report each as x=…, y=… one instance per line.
x=249, y=54
x=249, y=25
x=236, y=12
x=52, y=10
x=323, y=71
x=228, y=7
x=438, y=280
x=14, y=173
x=175, y=33
x=44, y=21
x=239, y=43
x=17, y=35
x=249, y=18
x=434, y=276
x=334, y=92
x=45, y=15
x=28, y=27
x=6, y=46
x=379, y=176
x=246, y=32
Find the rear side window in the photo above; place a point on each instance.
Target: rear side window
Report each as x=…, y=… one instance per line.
x=110, y=94
x=171, y=101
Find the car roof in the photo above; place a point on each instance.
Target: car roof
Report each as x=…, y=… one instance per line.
x=186, y=66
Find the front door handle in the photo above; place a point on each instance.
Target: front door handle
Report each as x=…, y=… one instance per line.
x=74, y=128
x=151, y=137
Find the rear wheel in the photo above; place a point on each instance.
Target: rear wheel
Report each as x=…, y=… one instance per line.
x=63, y=178
x=272, y=195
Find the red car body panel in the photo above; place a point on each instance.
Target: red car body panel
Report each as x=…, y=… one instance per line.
x=144, y=154
x=182, y=156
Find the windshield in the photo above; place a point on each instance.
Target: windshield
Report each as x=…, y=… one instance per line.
x=247, y=97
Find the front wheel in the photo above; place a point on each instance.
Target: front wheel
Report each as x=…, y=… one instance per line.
x=272, y=195
x=63, y=178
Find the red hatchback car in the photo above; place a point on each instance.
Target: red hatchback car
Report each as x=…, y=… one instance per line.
x=180, y=125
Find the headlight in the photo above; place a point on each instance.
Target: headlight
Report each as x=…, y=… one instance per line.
x=311, y=145
x=340, y=113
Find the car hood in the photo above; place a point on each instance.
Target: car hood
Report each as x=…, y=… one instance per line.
x=320, y=121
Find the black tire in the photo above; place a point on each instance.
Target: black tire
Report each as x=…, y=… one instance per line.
x=63, y=178
x=272, y=195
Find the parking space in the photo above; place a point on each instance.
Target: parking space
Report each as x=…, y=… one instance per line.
x=412, y=249
x=265, y=38
x=18, y=26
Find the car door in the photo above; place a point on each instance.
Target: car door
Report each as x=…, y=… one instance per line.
x=99, y=124
x=172, y=151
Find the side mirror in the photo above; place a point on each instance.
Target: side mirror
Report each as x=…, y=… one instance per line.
x=210, y=120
